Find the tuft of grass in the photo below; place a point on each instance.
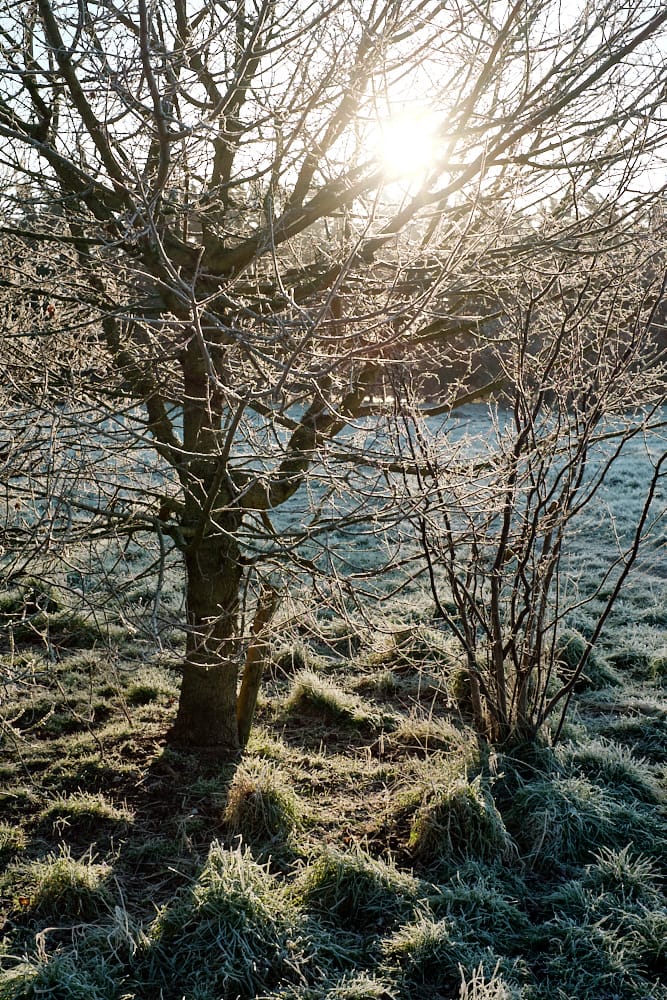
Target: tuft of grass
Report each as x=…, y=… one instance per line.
x=613, y=765
x=84, y=812
x=647, y=939
x=425, y=953
x=356, y=890
x=560, y=820
x=234, y=933
x=360, y=987
x=587, y=960
x=570, y=647
x=620, y=894
x=483, y=903
x=18, y=982
x=73, y=772
x=425, y=736
x=633, y=661
x=62, y=630
x=658, y=666
x=60, y=887
x=349, y=986
x=645, y=735
x=342, y=636
x=293, y=659
x=261, y=807
x=315, y=694
x=151, y=850
x=12, y=841
x=263, y=743
x=30, y=597
x=68, y=975
x=428, y=955
x=151, y=684
x=34, y=712
x=564, y=819
x=383, y=683
x=458, y=686
x=421, y=644
x=480, y=985
x=631, y=877
x=459, y=821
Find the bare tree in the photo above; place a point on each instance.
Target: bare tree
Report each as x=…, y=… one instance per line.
x=497, y=515
x=219, y=264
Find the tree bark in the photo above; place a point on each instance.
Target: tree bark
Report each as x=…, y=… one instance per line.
x=207, y=706
x=254, y=664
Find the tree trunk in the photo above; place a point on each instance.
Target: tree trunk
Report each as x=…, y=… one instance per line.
x=207, y=705
x=254, y=664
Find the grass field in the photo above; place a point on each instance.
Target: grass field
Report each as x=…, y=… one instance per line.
x=363, y=847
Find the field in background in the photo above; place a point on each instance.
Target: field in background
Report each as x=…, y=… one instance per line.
x=363, y=848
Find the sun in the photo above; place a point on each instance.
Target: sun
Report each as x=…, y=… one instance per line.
x=406, y=146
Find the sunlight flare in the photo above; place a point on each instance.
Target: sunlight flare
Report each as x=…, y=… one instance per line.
x=406, y=145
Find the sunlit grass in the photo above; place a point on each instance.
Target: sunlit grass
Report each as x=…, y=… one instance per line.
x=83, y=812
x=60, y=887
x=12, y=841
x=458, y=821
x=313, y=693
x=262, y=807
x=362, y=849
